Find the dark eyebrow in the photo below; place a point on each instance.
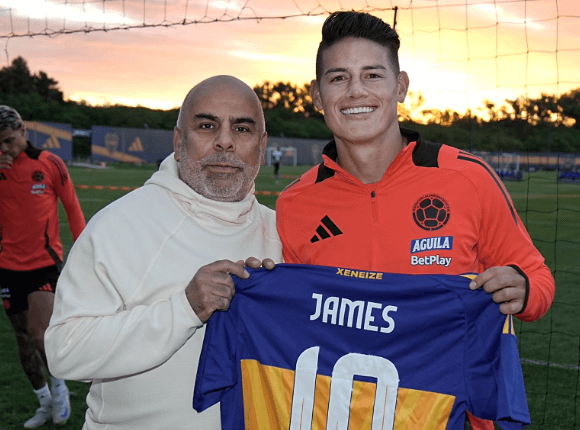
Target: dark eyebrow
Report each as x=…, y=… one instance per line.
x=206, y=116
x=214, y=118
x=336, y=69
x=243, y=121
x=342, y=69
x=377, y=66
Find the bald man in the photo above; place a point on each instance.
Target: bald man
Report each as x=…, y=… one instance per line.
x=151, y=268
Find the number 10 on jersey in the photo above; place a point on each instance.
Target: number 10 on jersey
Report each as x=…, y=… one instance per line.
x=341, y=386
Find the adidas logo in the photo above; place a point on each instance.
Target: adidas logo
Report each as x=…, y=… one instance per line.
x=2, y=176
x=46, y=287
x=324, y=233
x=137, y=145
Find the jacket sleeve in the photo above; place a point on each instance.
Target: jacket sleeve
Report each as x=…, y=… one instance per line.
x=504, y=241
x=98, y=328
x=64, y=188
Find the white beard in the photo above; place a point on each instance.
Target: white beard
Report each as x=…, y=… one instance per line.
x=224, y=187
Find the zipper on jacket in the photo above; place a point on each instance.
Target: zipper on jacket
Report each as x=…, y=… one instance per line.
x=375, y=208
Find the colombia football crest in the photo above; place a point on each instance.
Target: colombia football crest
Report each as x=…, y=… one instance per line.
x=431, y=212
x=38, y=176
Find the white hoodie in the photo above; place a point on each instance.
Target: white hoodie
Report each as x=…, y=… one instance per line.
x=121, y=318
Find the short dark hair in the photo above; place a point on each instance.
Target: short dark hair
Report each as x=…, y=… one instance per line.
x=9, y=118
x=340, y=25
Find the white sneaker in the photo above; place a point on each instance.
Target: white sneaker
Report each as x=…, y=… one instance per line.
x=60, y=405
x=43, y=414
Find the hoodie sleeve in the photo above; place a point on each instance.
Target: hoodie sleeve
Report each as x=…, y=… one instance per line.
x=101, y=327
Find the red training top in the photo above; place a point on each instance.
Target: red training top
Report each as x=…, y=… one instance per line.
x=29, y=226
x=437, y=210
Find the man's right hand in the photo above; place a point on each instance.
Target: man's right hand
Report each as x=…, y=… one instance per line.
x=212, y=288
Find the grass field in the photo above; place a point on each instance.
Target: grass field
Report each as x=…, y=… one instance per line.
x=550, y=347
x=551, y=212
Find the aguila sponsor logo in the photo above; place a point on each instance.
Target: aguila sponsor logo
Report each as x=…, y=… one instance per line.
x=432, y=244
x=431, y=212
x=38, y=189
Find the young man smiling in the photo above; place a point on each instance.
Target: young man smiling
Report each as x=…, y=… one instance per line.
x=386, y=200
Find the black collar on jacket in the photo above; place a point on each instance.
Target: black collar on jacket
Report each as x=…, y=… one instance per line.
x=32, y=151
x=425, y=153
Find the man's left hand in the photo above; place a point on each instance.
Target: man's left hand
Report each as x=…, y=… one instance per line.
x=255, y=263
x=505, y=285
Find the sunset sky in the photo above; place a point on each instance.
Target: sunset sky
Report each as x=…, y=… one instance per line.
x=511, y=47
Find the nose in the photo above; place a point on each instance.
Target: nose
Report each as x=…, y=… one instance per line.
x=356, y=88
x=224, y=140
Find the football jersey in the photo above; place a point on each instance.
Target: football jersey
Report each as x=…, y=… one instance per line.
x=314, y=348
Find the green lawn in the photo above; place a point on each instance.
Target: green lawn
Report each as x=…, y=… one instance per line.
x=549, y=347
x=551, y=212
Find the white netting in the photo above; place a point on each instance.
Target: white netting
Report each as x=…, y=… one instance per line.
x=22, y=18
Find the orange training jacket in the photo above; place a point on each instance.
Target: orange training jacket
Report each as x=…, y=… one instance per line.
x=29, y=225
x=437, y=210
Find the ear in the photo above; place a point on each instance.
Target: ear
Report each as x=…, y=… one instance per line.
x=315, y=94
x=402, y=86
x=176, y=142
x=263, y=144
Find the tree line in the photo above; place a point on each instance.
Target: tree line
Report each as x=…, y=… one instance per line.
x=546, y=123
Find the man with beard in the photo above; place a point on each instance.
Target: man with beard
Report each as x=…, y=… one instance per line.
x=128, y=315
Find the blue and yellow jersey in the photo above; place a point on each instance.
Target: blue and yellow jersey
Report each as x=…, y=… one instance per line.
x=314, y=348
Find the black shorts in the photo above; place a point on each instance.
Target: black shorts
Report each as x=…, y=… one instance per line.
x=15, y=286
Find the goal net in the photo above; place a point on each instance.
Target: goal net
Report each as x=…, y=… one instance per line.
x=470, y=62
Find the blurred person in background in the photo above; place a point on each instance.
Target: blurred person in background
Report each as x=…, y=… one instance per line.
x=276, y=158
x=31, y=255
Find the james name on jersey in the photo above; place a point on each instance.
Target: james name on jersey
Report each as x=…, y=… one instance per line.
x=342, y=311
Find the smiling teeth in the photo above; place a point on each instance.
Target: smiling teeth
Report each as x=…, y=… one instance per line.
x=357, y=110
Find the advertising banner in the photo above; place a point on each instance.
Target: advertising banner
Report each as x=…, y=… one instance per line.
x=130, y=145
x=52, y=136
